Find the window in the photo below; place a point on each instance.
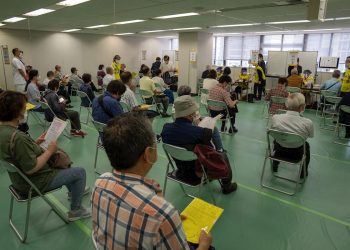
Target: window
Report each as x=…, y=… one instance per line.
x=175, y=44
x=218, y=59
x=271, y=42
x=250, y=43
x=293, y=42
x=320, y=43
x=341, y=48
x=233, y=47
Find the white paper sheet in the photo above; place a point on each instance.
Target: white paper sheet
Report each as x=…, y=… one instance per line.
x=55, y=130
x=209, y=122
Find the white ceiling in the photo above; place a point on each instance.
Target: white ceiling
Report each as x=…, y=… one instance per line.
x=97, y=12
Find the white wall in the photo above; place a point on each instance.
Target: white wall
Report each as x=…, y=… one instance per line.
x=43, y=50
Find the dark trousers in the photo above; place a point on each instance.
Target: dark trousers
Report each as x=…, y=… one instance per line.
x=258, y=89
x=159, y=99
x=345, y=119
x=292, y=153
x=232, y=113
x=74, y=118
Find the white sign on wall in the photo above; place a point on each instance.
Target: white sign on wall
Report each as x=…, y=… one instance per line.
x=143, y=55
x=193, y=56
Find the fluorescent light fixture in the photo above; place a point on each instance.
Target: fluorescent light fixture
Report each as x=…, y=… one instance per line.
x=14, y=19
x=178, y=15
x=2, y=24
x=235, y=25
x=295, y=21
x=327, y=19
x=320, y=30
x=342, y=18
x=227, y=34
x=98, y=26
x=124, y=34
x=191, y=28
x=152, y=31
x=71, y=2
x=167, y=37
x=131, y=21
x=38, y=12
x=71, y=30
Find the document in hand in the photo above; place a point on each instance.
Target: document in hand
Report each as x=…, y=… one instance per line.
x=55, y=130
x=209, y=122
x=199, y=215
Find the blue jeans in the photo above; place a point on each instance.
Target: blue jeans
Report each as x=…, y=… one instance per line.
x=217, y=139
x=75, y=180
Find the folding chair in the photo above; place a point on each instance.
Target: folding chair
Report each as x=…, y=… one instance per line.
x=320, y=105
x=202, y=102
x=126, y=107
x=270, y=155
x=274, y=100
x=182, y=154
x=293, y=90
x=143, y=93
x=339, y=125
x=82, y=95
x=158, y=86
x=94, y=241
x=99, y=145
x=199, y=86
x=33, y=193
x=330, y=111
x=223, y=106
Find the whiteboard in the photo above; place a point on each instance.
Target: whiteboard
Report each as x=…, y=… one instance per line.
x=277, y=64
x=329, y=62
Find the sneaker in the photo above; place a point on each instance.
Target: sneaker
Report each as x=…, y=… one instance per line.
x=77, y=133
x=86, y=191
x=78, y=214
x=229, y=188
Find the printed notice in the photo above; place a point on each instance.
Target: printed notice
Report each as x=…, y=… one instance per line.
x=55, y=130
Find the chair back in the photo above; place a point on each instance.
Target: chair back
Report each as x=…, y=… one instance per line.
x=332, y=99
x=278, y=99
x=345, y=109
x=179, y=153
x=328, y=93
x=158, y=86
x=125, y=106
x=144, y=92
x=45, y=106
x=284, y=137
x=217, y=104
x=293, y=90
x=82, y=95
x=205, y=91
x=98, y=126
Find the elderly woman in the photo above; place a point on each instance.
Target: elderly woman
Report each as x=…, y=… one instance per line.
x=36, y=163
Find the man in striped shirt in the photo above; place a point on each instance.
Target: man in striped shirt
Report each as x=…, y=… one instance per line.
x=129, y=211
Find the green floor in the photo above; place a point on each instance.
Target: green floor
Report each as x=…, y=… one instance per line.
x=317, y=217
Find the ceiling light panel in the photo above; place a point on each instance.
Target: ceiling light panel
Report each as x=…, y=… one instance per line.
x=71, y=2
x=97, y=26
x=124, y=34
x=191, y=28
x=71, y=30
x=14, y=19
x=152, y=31
x=38, y=12
x=131, y=21
x=285, y=22
x=2, y=24
x=235, y=25
x=178, y=15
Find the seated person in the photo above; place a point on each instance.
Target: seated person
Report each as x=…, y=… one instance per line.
x=128, y=209
x=107, y=106
x=58, y=106
x=108, y=77
x=295, y=80
x=75, y=79
x=19, y=149
x=164, y=88
x=308, y=82
x=209, y=83
x=293, y=122
x=49, y=76
x=333, y=84
x=64, y=90
x=33, y=93
x=220, y=93
x=205, y=73
x=279, y=90
x=146, y=83
x=344, y=117
x=243, y=81
x=183, y=133
x=86, y=88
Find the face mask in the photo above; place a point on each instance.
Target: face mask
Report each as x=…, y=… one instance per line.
x=244, y=73
x=21, y=55
x=117, y=61
x=25, y=117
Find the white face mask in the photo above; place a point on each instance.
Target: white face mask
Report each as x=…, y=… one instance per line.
x=25, y=117
x=244, y=73
x=117, y=61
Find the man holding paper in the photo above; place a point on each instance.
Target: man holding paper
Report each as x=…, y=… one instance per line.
x=128, y=209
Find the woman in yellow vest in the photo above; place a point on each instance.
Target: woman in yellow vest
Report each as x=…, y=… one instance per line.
x=259, y=81
x=243, y=81
x=345, y=87
x=116, y=66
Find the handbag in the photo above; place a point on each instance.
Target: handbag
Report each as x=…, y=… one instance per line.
x=214, y=162
x=60, y=159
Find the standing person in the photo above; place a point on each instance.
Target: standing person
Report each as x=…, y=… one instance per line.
x=259, y=82
x=345, y=87
x=19, y=71
x=33, y=92
x=345, y=117
x=100, y=74
x=279, y=90
x=156, y=65
x=116, y=66
x=108, y=77
x=262, y=64
x=167, y=68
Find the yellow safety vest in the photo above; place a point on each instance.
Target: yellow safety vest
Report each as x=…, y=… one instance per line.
x=244, y=77
x=258, y=68
x=345, y=86
x=116, y=70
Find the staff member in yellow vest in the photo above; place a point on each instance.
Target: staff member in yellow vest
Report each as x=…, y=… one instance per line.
x=116, y=66
x=345, y=87
x=259, y=82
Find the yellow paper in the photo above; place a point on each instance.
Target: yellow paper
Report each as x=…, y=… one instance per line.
x=199, y=214
x=29, y=106
x=145, y=106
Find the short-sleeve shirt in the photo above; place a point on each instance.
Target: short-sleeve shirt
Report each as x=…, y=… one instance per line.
x=17, y=77
x=24, y=155
x=147, y=83
x=129, y=98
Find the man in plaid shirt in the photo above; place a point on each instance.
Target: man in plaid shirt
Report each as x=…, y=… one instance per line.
x=279, y=90
x=129, y=211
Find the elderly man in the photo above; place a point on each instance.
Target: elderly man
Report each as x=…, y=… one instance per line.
x=108, y=77
x=293, y=122
x=334, y=83
x=128, y=209
x=295, y=80
x=183, y=133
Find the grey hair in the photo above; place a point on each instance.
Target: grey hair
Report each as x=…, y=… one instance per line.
x=109, y=70
x=294, y=101
x=184, y=90
x=294, y=71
